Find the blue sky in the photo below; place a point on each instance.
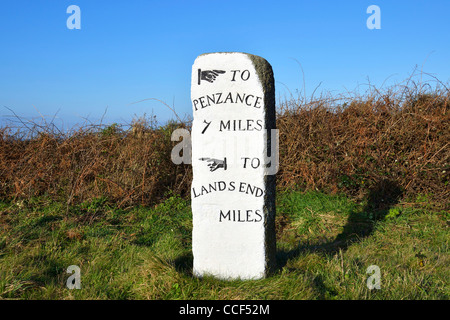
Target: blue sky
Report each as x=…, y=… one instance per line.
x=127, y=51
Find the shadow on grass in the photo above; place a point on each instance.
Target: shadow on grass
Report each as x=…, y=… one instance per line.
x=360, y=225
x=184, y=264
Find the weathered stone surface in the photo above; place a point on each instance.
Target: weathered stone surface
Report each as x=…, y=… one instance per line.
x=233, y=194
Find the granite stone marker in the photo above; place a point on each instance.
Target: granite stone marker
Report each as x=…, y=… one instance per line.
x=233, y=189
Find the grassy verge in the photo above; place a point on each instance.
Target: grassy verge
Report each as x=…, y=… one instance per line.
x=325, y=245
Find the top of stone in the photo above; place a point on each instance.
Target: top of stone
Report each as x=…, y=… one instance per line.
x=262, y=67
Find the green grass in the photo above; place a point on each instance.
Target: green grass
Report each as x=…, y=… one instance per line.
x=325, y=245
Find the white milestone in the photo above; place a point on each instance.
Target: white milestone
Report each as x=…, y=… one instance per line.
x=233, y=188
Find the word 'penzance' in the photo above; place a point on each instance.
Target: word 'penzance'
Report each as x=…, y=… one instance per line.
x=220, y=98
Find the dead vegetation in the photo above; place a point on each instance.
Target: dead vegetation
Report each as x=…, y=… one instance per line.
x=346, y=144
